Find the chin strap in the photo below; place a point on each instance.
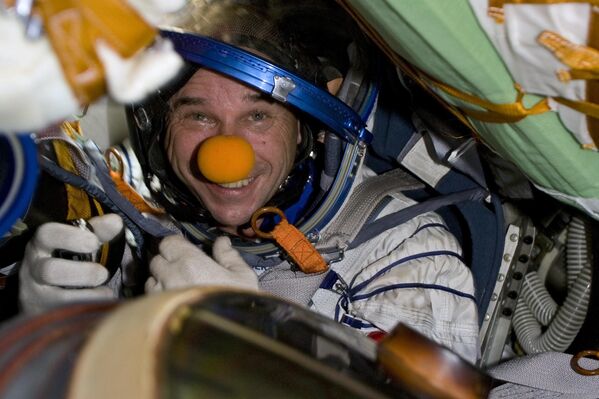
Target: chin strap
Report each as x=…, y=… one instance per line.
x=294, y=242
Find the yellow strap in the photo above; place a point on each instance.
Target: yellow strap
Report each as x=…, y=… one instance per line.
x=77, y=200
x=72, y=129
x=587, y=108
x=105, y=248
x=494, y=113
x=297, y=246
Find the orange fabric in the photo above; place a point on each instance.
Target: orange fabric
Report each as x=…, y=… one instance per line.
x=124, y=188
x=297, y=246
x=133, y=196
x=74, y=26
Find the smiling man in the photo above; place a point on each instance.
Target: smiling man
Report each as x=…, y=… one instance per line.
x=264, y=71
x=211, y=104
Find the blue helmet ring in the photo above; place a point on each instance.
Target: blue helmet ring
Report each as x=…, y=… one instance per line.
x=282, y=85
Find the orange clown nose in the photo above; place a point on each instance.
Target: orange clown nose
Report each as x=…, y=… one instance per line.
x=225, y=159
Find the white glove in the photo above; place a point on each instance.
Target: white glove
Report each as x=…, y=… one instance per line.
x=181, y=264
x=46, y=281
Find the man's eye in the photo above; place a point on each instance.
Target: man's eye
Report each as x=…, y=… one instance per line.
x=199, y=117
x=258, y=116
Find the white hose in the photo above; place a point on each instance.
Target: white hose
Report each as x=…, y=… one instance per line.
x=535, y=306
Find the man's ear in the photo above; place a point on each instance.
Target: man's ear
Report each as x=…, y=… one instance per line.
x=299, y=132
x=334, y=85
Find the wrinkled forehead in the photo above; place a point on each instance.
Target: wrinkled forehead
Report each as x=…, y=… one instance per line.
x=204, y=79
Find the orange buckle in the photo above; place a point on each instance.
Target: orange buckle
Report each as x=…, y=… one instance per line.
x=293, y=242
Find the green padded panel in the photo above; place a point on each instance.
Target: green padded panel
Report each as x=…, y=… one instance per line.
x=443, y=38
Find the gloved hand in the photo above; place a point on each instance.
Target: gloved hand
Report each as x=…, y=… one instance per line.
x=46, y=281
x=181, y=264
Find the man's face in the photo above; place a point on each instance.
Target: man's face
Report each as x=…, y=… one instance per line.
x=210, y=104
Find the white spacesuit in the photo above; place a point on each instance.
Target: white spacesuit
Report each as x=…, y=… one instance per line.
x=411, y=272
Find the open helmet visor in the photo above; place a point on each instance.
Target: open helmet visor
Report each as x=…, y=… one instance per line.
x=282, y=81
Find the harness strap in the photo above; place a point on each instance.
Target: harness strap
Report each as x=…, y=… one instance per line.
x=134, y=220
x=389, y=221
x=126, y=208
x=361, y=202
x=447, y=155
x=148, y=225
x=77, y=181
x=350, y=229
x=78, y=205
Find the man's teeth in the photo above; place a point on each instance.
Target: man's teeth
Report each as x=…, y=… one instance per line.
x=236, y=184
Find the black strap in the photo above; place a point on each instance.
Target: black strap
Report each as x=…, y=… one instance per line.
x=387, y=222
x=134, y=220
